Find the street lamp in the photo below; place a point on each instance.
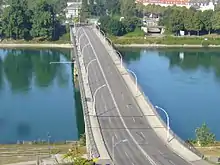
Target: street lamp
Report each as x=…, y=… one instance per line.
x=94, y=96
x=168, y=121
x=48, y=141
x=205, y=39
x=85, y=47
x=114, y=145
x=134, y=76
x=109, y=41
x=103, y=33
x=120, y=57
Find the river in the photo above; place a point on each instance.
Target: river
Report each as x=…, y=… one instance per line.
x=185, y=82
x=36, y=97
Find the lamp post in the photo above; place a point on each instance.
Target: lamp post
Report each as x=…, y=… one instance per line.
x=168, y=121
x=85, y=47
x=114, y=145
x=103, y=33
x=109, y=40
x=134, y=76
x=120, y=57
x=94, y=96
x=48, y=141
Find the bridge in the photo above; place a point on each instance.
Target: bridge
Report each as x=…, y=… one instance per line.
x=121, y=125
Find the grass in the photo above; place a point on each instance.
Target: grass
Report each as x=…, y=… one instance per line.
x=136, y=33
x=64, y=39
x=13, y=153
x=137, y=38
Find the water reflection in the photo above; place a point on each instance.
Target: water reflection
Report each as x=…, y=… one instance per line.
x=1, y=73
x=36, y=97
x=185, y=82
x=21, y=66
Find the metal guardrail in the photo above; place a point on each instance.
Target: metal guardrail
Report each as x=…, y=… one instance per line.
x=94, y=149
x=187, y=145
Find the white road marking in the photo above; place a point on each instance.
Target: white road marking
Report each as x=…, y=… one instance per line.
x=133, y=119
x=160, y=152
x=126, y=154
x=122, y=95
x=116, y=136
x=103, y=73
x=171, y=162
x=143, y=135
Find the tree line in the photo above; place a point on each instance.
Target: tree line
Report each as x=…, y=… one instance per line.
x=173, y=18
x=19, y=21
x=190, y=20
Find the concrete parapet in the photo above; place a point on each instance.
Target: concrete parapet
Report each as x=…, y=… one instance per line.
x=92, y=121
x=154, y=119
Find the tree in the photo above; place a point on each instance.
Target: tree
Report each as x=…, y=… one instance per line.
x=43, y=21
x=116, y=28
x=197, y=23
x=206, y=19
x=104, y=21
x=176, y=21
x=16, y=20
x=85, y=12
x=215, y=20
x=112, y=7
x=188, y=20
x=131, y=23
x=204, y=136
x=127, y=8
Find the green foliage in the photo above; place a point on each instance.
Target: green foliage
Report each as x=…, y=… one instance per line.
x=116, y=27
x=204, y=136
x=82, y=140
x=131, y=23
x=85, y=12
x=43, y=21
x=74, y=156
x=19, y=21
x=16, y=20
x=136, y=33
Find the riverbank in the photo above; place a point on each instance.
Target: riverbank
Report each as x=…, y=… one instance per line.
x=15, y=153
x=166, y=41
x=34, y=45
x=164, y=46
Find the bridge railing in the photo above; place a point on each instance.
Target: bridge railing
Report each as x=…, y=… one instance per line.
x=93, y=147
x=187, y=145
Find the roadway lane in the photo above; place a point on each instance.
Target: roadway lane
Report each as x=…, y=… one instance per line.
x=105, y=109
x=126, y=105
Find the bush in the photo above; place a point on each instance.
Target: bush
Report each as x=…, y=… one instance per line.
x=204, y=136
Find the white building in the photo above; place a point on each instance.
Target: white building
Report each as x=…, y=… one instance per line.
x=209, y=6
x=73, y=8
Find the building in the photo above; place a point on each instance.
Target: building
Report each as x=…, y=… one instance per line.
x=165, y=2
x=200, y=4
x=73, y=8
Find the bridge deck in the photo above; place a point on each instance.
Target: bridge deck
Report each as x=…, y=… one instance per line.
x=119, y=116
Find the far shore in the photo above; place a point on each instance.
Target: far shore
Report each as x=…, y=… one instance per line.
x=165, y=46
x=35, y=45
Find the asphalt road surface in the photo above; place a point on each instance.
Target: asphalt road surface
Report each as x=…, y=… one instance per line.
x=122, y=122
